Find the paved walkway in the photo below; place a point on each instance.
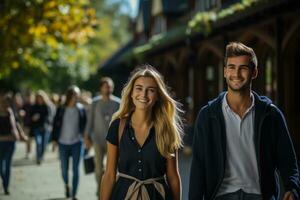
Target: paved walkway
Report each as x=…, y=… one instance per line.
x=44, y=182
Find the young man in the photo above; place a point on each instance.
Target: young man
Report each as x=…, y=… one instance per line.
x=241, y=142
x=102, y=109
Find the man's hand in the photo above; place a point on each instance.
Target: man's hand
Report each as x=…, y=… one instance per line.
x=24, y=138
x=54, y=146
x=35, y=117
x=88, y=142
x=289, y=196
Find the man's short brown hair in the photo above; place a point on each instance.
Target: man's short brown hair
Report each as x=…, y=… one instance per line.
x=106, y=80
x=234, y=49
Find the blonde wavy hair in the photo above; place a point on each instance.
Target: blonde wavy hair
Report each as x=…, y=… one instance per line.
x=165, y=112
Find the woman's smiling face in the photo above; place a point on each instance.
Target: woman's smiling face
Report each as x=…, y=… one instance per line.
x=144, y=93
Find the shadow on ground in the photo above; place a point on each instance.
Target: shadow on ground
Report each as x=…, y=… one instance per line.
x=23, y=162
x=27, y=162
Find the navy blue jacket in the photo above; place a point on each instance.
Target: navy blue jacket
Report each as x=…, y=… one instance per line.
x=58, y=120
x=274, y=151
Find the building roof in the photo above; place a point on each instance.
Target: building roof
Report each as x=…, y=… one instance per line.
x=117, y=57
x=203, y=24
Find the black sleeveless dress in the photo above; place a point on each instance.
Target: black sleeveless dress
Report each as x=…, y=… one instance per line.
x=140, y=162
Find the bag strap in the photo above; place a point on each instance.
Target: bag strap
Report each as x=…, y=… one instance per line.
x=121, y=127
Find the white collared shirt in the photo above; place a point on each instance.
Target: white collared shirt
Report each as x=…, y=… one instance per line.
x=70, y=128
x=241, y=170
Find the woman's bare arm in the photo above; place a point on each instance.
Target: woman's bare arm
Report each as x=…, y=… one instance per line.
x=109, y=176
x=173, y=176
x=13, y=124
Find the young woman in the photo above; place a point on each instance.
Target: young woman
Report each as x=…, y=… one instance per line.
x=145, y=154
x=39, y=116
x=68, y=126
x=8, y=135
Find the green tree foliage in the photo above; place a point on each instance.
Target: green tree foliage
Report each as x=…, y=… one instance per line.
x=110, y=34
x=51, y=44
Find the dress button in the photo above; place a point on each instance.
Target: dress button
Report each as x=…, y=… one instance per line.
x=139, y=150
x=140, y=170
x=140, y=161
x=132, y=138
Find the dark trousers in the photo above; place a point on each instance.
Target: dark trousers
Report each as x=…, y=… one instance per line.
x=41, y=139
x=239, y=195
x=75, y=152
x=6, y=153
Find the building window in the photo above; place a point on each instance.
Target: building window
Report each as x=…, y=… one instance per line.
x=211, y=4
x=210, y=73
x=199, y=5
x=211, y=81
x=270, y=79
x=142, y=39
x=221, y=79
x=190, y=88
x=205, y=5
x=160, y=24
x=226, y=3
x=140, y=23
x=189, y=97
